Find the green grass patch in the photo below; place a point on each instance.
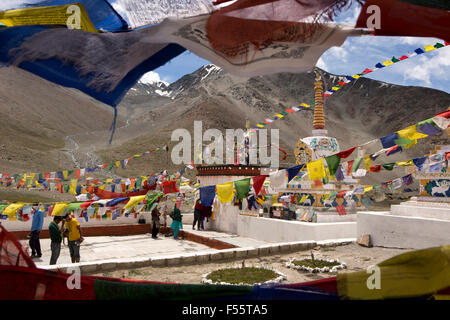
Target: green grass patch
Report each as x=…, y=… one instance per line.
x=134, y=272
x=246, y=275
x=317, y=263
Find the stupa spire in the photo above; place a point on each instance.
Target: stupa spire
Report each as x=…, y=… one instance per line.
x=319, y=116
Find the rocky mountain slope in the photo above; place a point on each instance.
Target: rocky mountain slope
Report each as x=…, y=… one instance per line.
x=364, y=110
x=45, y=127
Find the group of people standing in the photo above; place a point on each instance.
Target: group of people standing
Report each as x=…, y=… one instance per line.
x=176, y=225
x=70, y=228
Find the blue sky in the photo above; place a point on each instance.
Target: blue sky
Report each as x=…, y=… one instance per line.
x=357, y=53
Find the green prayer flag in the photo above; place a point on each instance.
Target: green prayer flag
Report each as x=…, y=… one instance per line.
x=333, y=163
x=138, y=183
x=66, y=188
x=394, y=59
x=242, y=188
x=110, y=166
x=438, y=45
x=73, y=206
x=430, y=121
x=284, y=113
x=151, y=198
x=388, y=166
x=356, y=164
x=402, y=142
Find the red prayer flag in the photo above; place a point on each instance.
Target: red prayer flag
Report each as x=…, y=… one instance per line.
x=77, y=173
x=289, y=110
x=445, y=114
x=346, y=153
x=170, y=187
x=350, y=165
x=258, y=182
x=399, y=18
x=376, y=168
x=391, y=150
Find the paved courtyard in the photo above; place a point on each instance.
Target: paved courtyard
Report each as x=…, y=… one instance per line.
x=104, y=248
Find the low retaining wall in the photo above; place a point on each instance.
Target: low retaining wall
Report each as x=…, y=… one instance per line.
x=274, y=230
x=391, y=231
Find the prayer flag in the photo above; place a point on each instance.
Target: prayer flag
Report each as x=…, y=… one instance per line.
x=242, y=188
x=258, y=182
x=346, y=153
x=278, y=179
x=316, y=170
x=207, y=195
x=419, y=162
x=293, y=171
x=388, y=166
x=333, y=163
x=225, y=192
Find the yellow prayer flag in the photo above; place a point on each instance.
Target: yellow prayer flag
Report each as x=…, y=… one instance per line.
x=73, y=186
x=118, y=164
x=305, y=105
x=65, y=174
x=73, y=16
x=316, y=170
x=59, y=208
x=429, y=48
x=12, y=209
x=410, y=133
x=134, y=201
x=387, y=63
x=367, y=189
x=279, y=115
x=411, y=274
x=405, y=163
x=225, y=192
x=109, y=180
x=367, y=162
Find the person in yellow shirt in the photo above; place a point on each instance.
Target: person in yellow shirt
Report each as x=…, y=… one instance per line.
x=75, y=238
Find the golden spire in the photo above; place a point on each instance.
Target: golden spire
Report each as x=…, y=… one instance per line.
x=319, y=116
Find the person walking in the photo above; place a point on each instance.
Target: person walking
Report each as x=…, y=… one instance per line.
x=56, y=238
x=155, y=222
x=177, y=222
x=197, y=214
x=75, y=237
x=36, y=229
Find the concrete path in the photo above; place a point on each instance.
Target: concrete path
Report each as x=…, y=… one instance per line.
x=114, y=247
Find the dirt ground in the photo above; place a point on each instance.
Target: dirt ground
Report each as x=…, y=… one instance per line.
x=356, y=257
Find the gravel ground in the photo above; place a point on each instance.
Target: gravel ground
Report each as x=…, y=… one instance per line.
x=356, y=257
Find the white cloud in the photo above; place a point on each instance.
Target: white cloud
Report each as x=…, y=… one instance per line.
x=435, y=66
x=14, y=4
x=321, y=64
